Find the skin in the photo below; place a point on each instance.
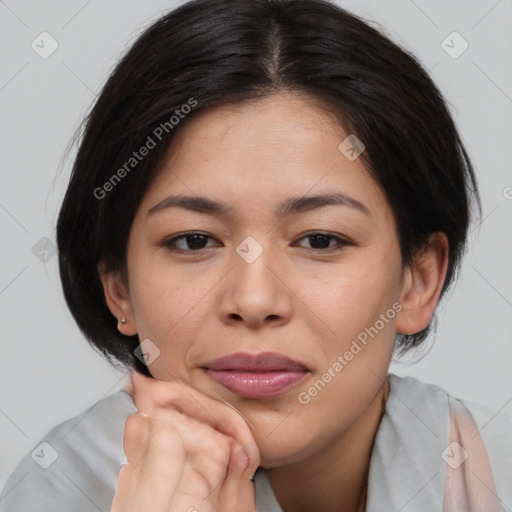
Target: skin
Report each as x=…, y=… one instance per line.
x=297, y=298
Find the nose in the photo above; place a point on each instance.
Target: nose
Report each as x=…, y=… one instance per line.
x=255, y=291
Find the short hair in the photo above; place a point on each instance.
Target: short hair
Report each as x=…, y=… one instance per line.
x=209, y=53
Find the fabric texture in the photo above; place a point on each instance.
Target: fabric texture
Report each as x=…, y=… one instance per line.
x=432, y=452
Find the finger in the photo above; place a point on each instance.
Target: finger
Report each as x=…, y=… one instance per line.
x=155, y=496
x=237, y=488
x=128, y=387
x=151, y=394
x=146, y=481
x=206, y=448
x=205, y=451
x=219, y=459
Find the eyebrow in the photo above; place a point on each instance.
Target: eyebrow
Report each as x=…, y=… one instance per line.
x=291, y=205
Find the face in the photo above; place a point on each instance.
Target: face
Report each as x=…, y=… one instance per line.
x=319, y=282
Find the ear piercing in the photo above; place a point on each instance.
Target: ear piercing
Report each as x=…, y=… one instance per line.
x=122, y=321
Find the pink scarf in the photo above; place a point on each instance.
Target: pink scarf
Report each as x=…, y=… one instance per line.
x=469, y=479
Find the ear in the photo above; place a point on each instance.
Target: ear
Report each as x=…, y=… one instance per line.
x=422, y=285
x=117, y=298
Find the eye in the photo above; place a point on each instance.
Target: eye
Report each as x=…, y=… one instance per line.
x=321, y=241
x=195, y=242
x=191, y=242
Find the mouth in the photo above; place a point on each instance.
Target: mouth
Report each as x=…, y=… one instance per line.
x=262, y=375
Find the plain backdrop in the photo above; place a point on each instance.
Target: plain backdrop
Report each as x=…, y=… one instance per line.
x=48, y=371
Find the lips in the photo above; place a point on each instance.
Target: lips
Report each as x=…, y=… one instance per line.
x=262, y=362
x=262, y=375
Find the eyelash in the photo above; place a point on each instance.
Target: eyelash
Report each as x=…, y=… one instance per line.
x=171, y=243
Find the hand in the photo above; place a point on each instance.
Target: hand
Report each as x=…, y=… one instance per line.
x=186, y=452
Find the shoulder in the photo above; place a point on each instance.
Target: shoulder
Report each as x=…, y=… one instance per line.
x=495, y=426
x=417, y=405
x=413, y=402
x=75, y=466
x=495, y=429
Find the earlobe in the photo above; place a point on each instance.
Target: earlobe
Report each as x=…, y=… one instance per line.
x=422, y=285
x=118, y=299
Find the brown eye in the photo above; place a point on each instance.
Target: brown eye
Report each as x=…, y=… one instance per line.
x=322, y=241
x=188, y=242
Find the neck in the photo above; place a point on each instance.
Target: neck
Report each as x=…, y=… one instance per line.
x=336, y=478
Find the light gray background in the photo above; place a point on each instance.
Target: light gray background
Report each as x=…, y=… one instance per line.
x=48, y=371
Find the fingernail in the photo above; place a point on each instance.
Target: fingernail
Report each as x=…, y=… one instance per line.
x=247, y=459
x=248, y=454
x=134, y=380
x=244, y=456
x=128, y=388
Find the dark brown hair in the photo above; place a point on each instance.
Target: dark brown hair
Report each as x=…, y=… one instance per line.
x=217, y=52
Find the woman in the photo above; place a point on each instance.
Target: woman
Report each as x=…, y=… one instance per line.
x=255, y=220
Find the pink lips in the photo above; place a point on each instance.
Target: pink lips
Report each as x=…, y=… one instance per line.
x=256, y=376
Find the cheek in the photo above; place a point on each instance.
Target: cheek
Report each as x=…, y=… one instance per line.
x=169, y=311
x=330, y=403
x=167, y=304
x=352, y=298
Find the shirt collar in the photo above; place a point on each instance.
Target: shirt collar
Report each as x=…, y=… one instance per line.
x=407, y=472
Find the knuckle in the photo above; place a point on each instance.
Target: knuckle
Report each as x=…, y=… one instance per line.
x=164, y=435
x=166, y=391
x=135, y=424
x=219, y=452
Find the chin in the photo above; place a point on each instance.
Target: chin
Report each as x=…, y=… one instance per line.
x=283, y=450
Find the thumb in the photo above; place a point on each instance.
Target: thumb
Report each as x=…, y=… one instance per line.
x=128, y=387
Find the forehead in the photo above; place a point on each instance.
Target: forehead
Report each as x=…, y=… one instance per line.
x=253, y=152
x=285, y=120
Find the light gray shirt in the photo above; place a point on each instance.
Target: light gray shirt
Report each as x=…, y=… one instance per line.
x=423, y=458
